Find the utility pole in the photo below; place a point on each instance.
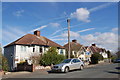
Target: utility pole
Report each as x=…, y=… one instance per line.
x=68, y=22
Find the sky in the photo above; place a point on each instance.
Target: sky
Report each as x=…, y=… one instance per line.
x=90, y=22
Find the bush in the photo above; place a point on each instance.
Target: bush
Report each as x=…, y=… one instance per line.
x=101, y=57
x=4, y=64
x=51, y=57
x=113, y=58
x=96, y=57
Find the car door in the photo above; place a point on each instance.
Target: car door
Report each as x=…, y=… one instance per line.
x=78, y=63
x=73, y=64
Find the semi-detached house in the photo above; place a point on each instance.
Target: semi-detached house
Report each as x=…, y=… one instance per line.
x=29, y=44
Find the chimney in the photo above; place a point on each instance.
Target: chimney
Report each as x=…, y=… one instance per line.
x=37, y=33
x=93, y=44
x=75, y=41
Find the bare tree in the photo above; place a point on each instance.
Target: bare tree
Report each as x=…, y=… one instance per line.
x=35, y=58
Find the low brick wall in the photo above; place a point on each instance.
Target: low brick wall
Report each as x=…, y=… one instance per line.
x=25, y=67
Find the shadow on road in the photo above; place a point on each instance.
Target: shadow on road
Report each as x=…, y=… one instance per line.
x=113, y=72
x=50, y=72
x=117, y=68
x=117, y=72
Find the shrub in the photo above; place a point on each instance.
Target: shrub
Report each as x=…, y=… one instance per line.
x=51, y=57
x=96, y=57
x=101, y=57
x=4, y=64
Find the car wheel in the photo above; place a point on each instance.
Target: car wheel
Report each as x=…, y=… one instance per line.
x=66, y=69
x=81, y=67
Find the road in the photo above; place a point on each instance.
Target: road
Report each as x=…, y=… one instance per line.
x=99, y=71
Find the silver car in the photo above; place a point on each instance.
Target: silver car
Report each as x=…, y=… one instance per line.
x=68, y=64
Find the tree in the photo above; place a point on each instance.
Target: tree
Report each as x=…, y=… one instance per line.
x=51, y=57
x=95, y=58
x=3, y=62
x=35, y=58
x=109, y=54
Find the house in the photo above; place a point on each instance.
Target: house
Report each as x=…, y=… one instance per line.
x=95, y=49
x=88, y=53
x=74, y=48
x=78, y=50
x=30, y=44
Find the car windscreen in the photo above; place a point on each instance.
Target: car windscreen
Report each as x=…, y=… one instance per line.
x=66, y=61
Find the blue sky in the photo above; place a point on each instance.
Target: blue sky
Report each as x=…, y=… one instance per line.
x=91, y=22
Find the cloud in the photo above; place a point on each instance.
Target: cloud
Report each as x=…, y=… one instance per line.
x=81, y=14
x=108, y=40
x=100, y=7
x=78, y=16
x=18, y=13
x=59, y=39
x=40, y=28
x=58, y=31
x=54, y=24
x=115, y=29
x=65, y=35
x=85, y=30
x=71, y=32
x=11, y=33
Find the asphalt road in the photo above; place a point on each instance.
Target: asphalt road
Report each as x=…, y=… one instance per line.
x=99, y=71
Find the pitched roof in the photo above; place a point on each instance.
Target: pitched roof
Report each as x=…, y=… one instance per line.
x=95, y=49
x=73, y=46
x=30, y=39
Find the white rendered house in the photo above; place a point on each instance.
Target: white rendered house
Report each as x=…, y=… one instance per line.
x=28, y=45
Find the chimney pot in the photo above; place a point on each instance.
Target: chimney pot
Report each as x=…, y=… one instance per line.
x=93, y=44
x=75, y=41
x=37, y=33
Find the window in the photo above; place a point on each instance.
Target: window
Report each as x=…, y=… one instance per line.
x=41, y=50
x=66, y=61
x=77, y=60
x=74, y=61
x=82, y=52
x=61, y=51
x=87, y=53
x=33, y=49
x=23, y=48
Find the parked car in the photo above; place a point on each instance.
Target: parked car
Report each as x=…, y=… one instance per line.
x=68, y=64
x=117, y=60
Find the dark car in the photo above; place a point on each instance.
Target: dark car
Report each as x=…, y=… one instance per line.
x=116, y=61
